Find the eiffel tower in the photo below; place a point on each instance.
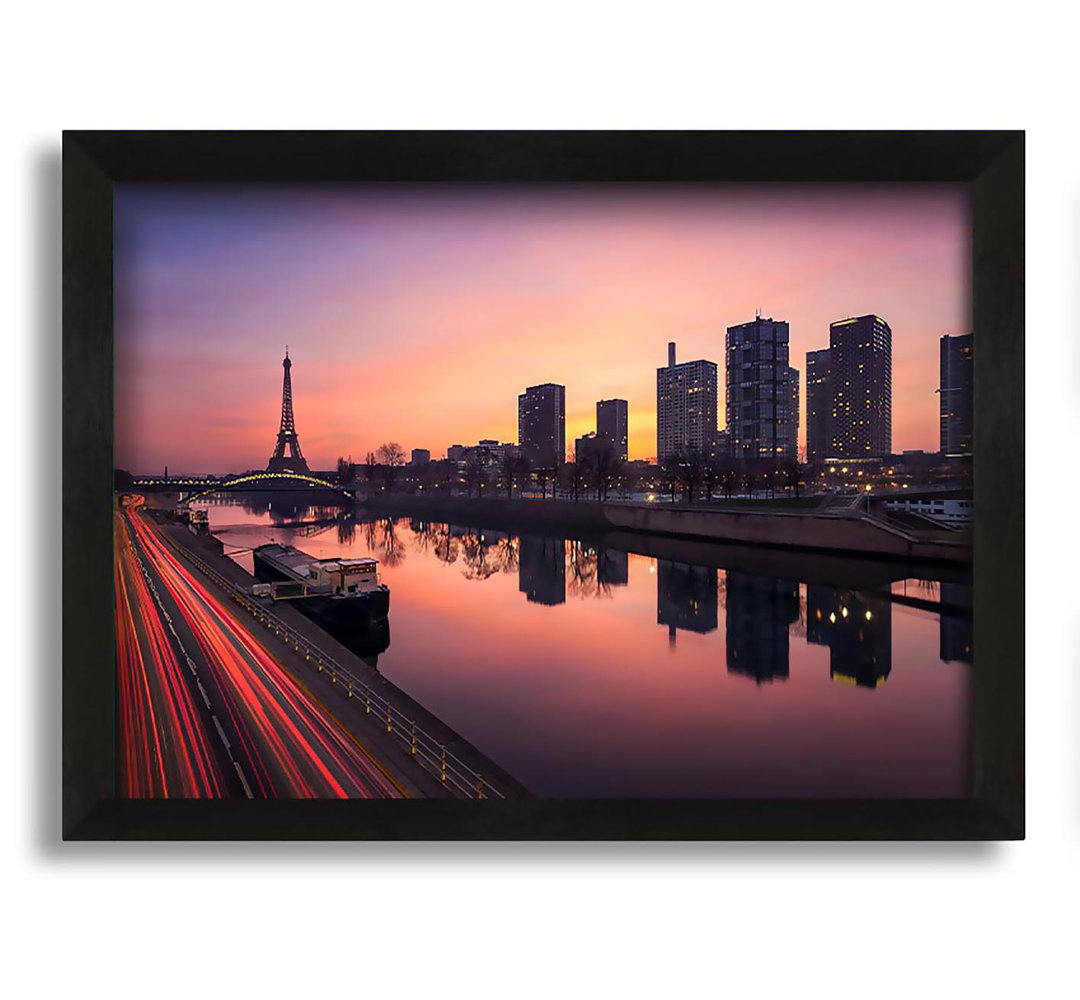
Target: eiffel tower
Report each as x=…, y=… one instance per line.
x=287, y=434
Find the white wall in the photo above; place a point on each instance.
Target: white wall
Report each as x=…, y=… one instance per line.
x=509, y=921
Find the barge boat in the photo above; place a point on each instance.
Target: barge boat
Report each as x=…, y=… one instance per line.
x=342, y=594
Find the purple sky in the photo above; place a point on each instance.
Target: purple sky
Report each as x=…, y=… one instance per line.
x=417, y=313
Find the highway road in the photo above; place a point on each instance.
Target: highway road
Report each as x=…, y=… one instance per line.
x=204, y=710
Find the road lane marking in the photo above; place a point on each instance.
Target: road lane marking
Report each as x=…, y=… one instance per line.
x=221, y=732
x=243, y=780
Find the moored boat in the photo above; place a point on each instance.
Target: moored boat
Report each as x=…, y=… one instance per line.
x=339, y=592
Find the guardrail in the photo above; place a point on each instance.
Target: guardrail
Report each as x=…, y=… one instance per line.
x=428, y=752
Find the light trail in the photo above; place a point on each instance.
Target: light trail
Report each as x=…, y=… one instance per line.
x=164, y=751
x=205, y=709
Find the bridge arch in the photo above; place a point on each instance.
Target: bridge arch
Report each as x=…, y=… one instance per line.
x=240, y=482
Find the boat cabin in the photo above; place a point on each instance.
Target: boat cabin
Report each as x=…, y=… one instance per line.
x=345, y=576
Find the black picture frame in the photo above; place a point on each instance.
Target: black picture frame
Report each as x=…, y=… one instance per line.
x=990, y=162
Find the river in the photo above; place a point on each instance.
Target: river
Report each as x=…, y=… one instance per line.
x=592, y=669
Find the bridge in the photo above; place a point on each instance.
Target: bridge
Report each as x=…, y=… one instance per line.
x=202, y=487
x=258, y=480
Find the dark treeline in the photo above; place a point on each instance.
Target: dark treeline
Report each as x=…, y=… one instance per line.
x=692, y=475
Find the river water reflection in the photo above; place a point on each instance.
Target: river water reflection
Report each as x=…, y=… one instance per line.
x=620, y=667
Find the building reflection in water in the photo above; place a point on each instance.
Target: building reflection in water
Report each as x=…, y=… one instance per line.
x=957, y=638
x=759, y=611
x=857, y=628
x=542, y=569
x=686, y=597
x=613, y=568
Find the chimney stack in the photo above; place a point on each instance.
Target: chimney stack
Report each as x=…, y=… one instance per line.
x=671, y=354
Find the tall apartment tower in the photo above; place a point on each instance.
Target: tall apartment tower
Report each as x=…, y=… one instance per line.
x=957, y=394
x=685, y=406
x=860, y=356
x=759, y=391
x=791, y=447
x=542, y=424
x=611, y=423
x=819, y=406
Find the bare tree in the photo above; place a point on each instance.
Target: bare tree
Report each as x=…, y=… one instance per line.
x=442, y=475
x=546, y=472
x=391, y=453
x=346, y=470
x=791, y=472
x=689, y=468
x=512, y=469
x=606, y=465
x=371, y=469
x=711, y=474
x=669, y=474
x=748, y=471
x=729, y=475
x=476, y=471
x=573, y=477
x=390, y=458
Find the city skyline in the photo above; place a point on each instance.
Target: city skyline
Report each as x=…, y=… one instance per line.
x=418, y=316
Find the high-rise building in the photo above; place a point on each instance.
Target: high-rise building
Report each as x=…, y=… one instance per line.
x=860, y=361
x=611, y=423
x=819, y=406
x=759, y=393
x=542, y=425
x=957, y=394
x=685, y=406
x=420, y=456
x=791, y=447
x=720, y=448
x=588, y=447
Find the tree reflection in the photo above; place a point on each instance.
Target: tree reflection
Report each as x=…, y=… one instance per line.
x=446, y=547
x=381, y=536
x=424, y=534
x=480, y=564
x=346, y=531
x=583, y=572
x=508, y=554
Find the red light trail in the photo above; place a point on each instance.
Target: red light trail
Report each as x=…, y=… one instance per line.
x=204, y=709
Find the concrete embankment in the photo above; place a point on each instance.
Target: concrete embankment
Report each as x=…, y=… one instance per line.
x=847, y=534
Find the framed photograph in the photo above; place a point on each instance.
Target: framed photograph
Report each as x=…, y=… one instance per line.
x=541, y=485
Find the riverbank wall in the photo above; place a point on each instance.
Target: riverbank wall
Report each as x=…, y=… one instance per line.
x=857, y=534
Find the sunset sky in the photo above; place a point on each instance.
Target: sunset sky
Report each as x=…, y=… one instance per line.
x=417, y=313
